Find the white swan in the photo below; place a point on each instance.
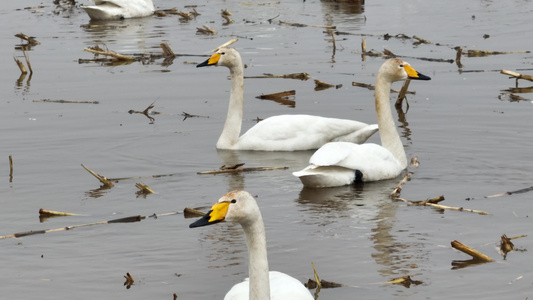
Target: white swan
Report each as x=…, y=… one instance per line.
x=278, y=133
x=336, y=164
x=119, y=9
x=240, y=207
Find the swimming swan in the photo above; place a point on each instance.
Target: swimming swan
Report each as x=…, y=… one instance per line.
x=240, y=207
x=119, y=9
x=283, y=132
x=336, y=164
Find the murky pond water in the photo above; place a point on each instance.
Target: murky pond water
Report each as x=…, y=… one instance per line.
x=470, y=144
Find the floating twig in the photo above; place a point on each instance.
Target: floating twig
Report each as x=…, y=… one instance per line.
x=280, y=97
x=225, y=44
x=185, y=16
x=243, y=170
x=98, y=51
x=10, y=168
x=321, y=85
x=130, y=219
x=31, y=40
x=27, y=61
x=129, y=281
x=46, y=212
x=226, y=15
x=144, y=189
x=458, y=56
x=206, y=30
x=299, y=76
x=261, y=4
x=401, y=94
x=106, y=182
x=320, y=283
x=305, y=25
x=405, y=281
x=67, y=101
x=520, y=191
x=483, y=53
x=517, y=75
x=476, y=255
x=167, y=51
x=421, y=40
x=20, y=65
x=272, y=19
x=144, y=112
x=187, y=115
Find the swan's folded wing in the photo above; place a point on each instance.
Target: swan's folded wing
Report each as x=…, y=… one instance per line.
x=297, y=132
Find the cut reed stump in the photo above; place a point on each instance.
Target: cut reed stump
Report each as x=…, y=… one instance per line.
x=517, y=76
x=10, y=168
x=98, y=51
x=46, y=212
x=281, y=98
x=476, y=255
x=104, y=180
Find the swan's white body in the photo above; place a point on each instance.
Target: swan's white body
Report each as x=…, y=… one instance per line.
x=119, y=9
x=240, y=207
x=278, y=133
x=337, y=164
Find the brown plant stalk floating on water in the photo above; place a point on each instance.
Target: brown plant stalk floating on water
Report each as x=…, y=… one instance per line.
x=395, y=195
x=281, y=97
x=237, y=169
x=10, y=168
x=130, y=219
x=405, y=281
x=506, y=245
x=129, y=281
x=67, y=101
x=144, y=189
x=476, y=255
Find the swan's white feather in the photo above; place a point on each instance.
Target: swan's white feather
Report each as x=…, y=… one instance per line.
x=240, y=207
x=301, y=132
x=341, y=163
x=279, y=133
x=282, y=287
x=334, y=164
x=119, y=9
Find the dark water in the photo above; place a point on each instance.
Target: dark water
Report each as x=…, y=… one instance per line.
x=469, y=143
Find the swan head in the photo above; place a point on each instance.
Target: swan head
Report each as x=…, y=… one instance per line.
x=396, y=69
x=225, y=56
x=236, y=206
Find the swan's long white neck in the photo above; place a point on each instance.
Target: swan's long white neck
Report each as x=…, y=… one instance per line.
x=254, y=231
x=387, y=128
x=232, y=127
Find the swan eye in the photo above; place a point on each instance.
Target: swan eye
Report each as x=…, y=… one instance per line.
x=401, y=66
x=233, y=201
x=222, y=53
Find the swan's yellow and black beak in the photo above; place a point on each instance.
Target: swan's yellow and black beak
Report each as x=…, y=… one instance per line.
x=413, y=74
x=213, y=60
x=215, y=215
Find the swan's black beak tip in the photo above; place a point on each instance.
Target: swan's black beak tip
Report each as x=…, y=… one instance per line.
x=422, y=77
x=204, y=64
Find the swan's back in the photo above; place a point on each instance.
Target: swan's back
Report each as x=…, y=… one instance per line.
x=282, y=287
x=302, y=132
x=119, y=9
